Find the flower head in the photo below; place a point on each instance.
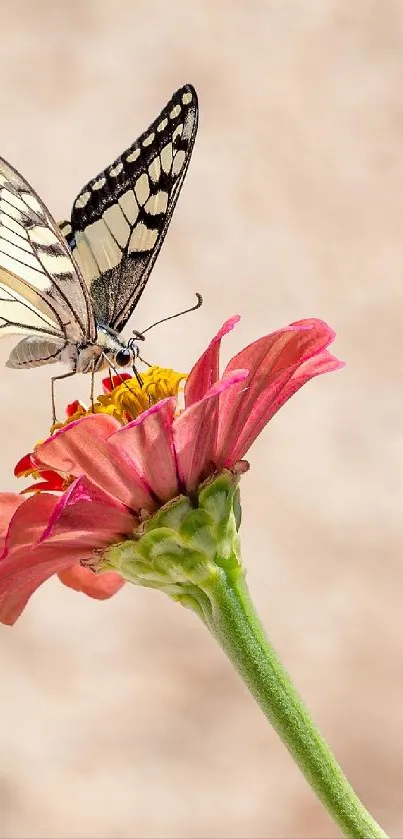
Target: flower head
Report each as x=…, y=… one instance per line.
x=140, y=448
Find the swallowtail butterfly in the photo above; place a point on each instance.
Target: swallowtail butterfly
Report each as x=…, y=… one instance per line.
x=72, y=287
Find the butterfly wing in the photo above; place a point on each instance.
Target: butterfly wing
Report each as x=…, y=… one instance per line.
x=120, y=218
x=41, y=289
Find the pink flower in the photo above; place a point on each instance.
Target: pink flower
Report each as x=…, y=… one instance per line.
x=116, y=472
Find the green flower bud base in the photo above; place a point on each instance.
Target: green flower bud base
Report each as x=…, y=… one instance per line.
x=186, y=545
x=190, y=549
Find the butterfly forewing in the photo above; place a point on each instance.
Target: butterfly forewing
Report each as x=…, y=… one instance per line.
x=41, y=289
x=120, y=218
x=56, y=283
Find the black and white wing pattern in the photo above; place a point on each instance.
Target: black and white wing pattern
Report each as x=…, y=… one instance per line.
x=41, y=289
x=120, y=218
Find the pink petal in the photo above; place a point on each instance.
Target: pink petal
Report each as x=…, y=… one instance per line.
x=277, y=370
x=324, y=362
x=19, y=574
x=98, y=586
x=16, y=591
x=205, y=372
x=27, y=524
x=9, y=503
x=81, y=448
x=148, y=445
x=195, y=433
x=88, y=515
x=48, y=534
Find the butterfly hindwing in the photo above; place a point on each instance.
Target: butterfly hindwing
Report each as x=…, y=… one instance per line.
x=41, y=290
x=18, y=313
x=120, y=218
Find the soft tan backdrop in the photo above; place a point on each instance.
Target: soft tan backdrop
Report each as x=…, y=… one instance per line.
x=123, y=719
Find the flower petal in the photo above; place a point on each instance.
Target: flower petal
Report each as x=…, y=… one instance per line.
x=48, y=534
x=279, y=364
x=89, y=516
x=19, y=575
x=24, y=467
x=195, y=432
x=81, y=448
x=205, y=372
x=9, y=503
x=28, y=523
x=109, y=383
x=147, y=443
x=73, y=407
x=98, y=586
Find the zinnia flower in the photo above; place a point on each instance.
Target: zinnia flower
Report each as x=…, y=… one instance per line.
x=107, y=476
x=145, y=488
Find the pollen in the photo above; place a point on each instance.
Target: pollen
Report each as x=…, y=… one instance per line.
x=128, y=399
x=124, y=398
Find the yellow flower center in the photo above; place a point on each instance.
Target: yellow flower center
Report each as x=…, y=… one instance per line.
x=130, y=398
x=125, y=402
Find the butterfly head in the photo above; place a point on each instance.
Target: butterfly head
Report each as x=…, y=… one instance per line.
x=115, y=352
x=124, y=357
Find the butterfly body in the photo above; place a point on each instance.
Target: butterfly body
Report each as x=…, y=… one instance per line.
x=108, y=351
x=71, y=288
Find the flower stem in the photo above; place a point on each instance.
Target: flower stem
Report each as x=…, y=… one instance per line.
x=234, y=623
x=190, y=549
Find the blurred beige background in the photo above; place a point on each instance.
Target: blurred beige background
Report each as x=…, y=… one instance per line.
x=123, y=719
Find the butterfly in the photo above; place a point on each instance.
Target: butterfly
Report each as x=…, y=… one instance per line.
x=71, y=288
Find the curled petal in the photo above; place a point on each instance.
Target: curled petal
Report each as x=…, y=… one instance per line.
x=147, y=444
x=81, y=448
x=25, y=466
x=9, y=503
x=324, y=362
x=205, y=372
x=53, y=482
x=27, y=525
x=195, y=432
x=20, y=575
x=279, y=365
x=98, y=586
x=47, y=534
x=89, y=516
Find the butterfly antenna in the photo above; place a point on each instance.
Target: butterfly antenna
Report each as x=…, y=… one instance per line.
x=171, y=317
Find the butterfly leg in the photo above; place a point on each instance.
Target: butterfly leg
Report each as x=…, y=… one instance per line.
x=92, y=387
x=135, y=354
x=143, y=361
x=53, y=380
x=138, y=377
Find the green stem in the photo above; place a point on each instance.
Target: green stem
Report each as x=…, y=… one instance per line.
x=191, y=551
x=234, y=623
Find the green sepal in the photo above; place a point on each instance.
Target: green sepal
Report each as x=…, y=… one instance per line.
x=185, y=545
